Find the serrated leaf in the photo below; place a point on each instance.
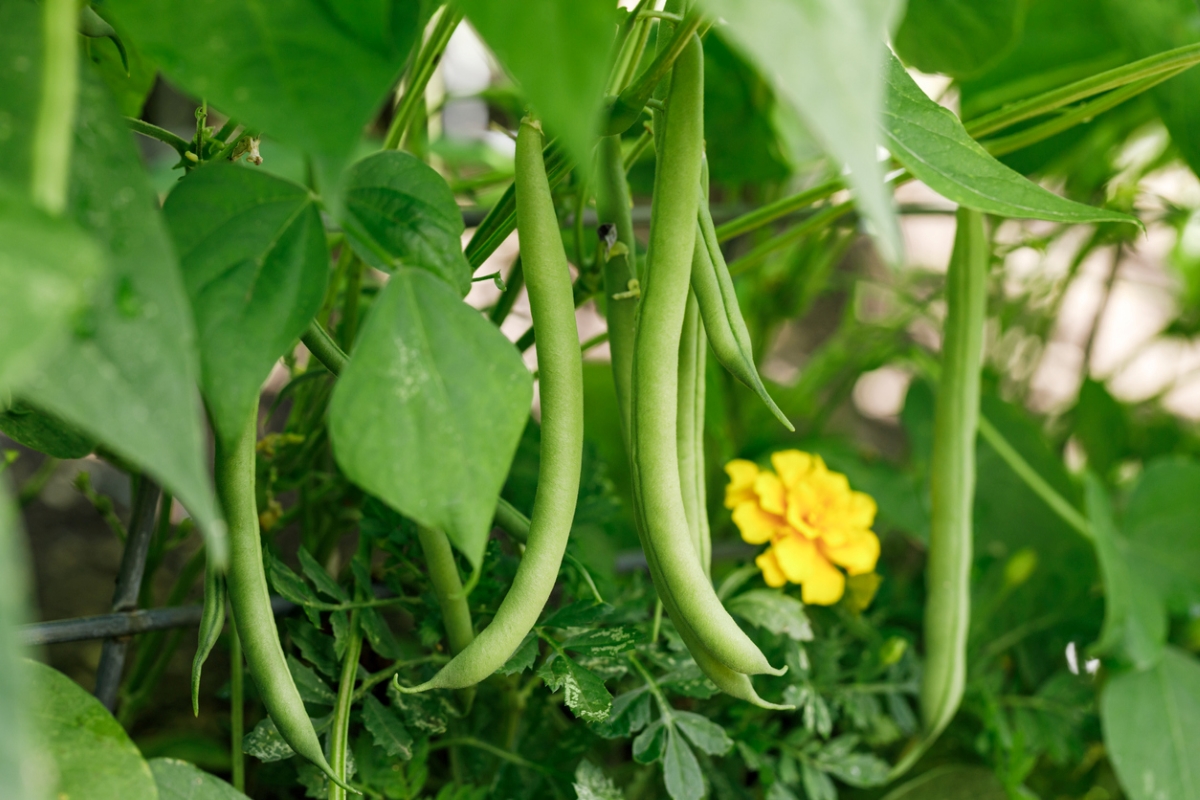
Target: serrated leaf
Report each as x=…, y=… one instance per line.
x=315, y=646
x=252, y=250
x=386, y=728
x=425, y=713
x=380, y=636
x=584, y=693
x=650, y=744
x=320, y=578
x=291, y=586
x=266, y=743
x=457, y=395
x=689, y=681
x=523, y=657
x=681, y=770
x=703, y=732
x=603, y=641
x=592, y=784
x=396, y=205
x=935, y=147
x=578, y=614
x=312, y=688
x=773, y=610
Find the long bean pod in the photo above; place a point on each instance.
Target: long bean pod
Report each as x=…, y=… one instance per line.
x=655, y=463
x=250, y=601
x=689, y=431
x=560, y=363
x=614, y=207
x=947, y=605
x=211, y=623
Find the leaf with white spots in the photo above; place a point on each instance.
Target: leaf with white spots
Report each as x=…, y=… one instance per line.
x=583, y=692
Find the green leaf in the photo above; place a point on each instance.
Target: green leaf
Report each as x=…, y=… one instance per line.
x=17, y=748
x=952, y=782
x=703, y=732
x=179, y=780
x=650, y=744
x=266, y=743
x=592, y=784
x=44, y=432
x=456, y=395
x=129, y=86
x=558, y=53
x=426, y=713
x=817, y=785
x=291, y=586
x=1101, y=426
x=932, y=143
x=376, y=629
x=315, y=646
x=773, y=610
x=320, y=578
x=523, y=657
x=21, y=77
x=842, y=41
x=1160, y=527
x=579, y=614
x=289, y=68
x=584, y=693
x=252, y=250
x=386, y=728
x=312, y=688
x=396, y=205
x=630, y=713
x=127, y=375
x=1135, y=622
x=88, y=750
x=960, y=38
x=1152, y=728
x=603, y=641
x=48, y=271
x=681, y=770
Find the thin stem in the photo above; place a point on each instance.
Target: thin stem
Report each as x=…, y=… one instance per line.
x=1178, y=59
x=237, y=693
x=32, y=488
x=51, y=167
x=386, y=673
x=638, y=148
x=780, y=208
x=178, y=143
x=1058, y=504
x=657, y=628
x=423, y=68
x=813, y=223
x=339, y=733
x=587, y=576
x=512, y=288
x=513, y=758
x=447, y=587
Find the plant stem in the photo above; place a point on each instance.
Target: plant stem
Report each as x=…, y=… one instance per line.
x=512, y=288
x=447, y=587
x=54, y=129
x=340, y=731
x=427, y=60
x=178, y=143
x=811, y=224
x=780, y=208
x=384, y=674
x=236, y=709
x=513, y=758
x=32, y=488
x=628, y=106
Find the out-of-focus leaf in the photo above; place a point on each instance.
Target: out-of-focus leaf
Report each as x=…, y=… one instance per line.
x=90, y=753
x=958, y=37
x=1160, y=524
x=592, y=784
x=17, y=747
x=129, y=87
x=773, y=610
x=315, y=646
x=842, y=41
x=320, y=578
x=179, y=780
x=396, y=204
x=43, y=432
x=252, y=250
x=953, y=782
x=579, y=614
x=1101, y=426
x=1152, y=728
x=457, y=396
x=380, y=636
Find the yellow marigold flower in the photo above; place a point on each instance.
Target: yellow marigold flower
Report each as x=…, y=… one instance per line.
x=812, y=519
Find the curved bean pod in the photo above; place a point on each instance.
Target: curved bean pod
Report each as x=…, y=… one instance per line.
x=655, y=464
x=689, y=431
x=548, y=280
x=211, y=623
x=250, y=602
x=952, y=469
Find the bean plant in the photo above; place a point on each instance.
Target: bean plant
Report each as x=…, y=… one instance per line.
x=436, y=549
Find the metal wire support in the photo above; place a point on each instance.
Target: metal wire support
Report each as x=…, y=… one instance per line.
x=129, y=584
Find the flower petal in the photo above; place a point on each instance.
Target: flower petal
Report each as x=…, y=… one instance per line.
x=771, y=572
x=792, y=465
x=770, y=493
x=796, y=556
x=825, y=584
x=861, y=510
x=756, y=525
x=741, y=482
x=858, y=552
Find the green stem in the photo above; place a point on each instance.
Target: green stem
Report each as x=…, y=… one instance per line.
x=377, y=678
x=512, y=289
x=236, y=709
x=628, y=106
x=177, y=143
x=32, y=488
x=447, y=587
x=1057, y=503
x=423, y=68
x=777, y=210
x=487, y=747
x=348, y=325
x=339, y=733
x=792, y=235
x=50, y=170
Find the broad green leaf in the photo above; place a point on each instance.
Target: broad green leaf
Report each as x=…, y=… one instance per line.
x=252, y=250
x=1160, y=525
x=312, y=688
x=958, y=37
x=48, y=271
x=703, y=732
x=1135, y=622
x=266, y=743
x=559, y=55
x=953, y=782
x=1147, y=27
x=841, y=41
x=681, y=770
x=386, y=728
x=773, y=610
x=650, y=744
x=127, y=375
x=287, y=68
x=932, y=143
x=43, y=432
x=89, y=751
x=630, y=713
x=429, y=411
x=1152, y=728
x=16, y=709
x=583, y=692
x=523, y=657
x=398, y=208
x=179, y=780
x=592, y=784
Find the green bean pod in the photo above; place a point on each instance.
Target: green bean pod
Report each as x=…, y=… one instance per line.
x=447, y=586
x=655, y=463
x=560, y=364
x=614, y=207
x=723, y=322
x=250, y=602
x=689, y=431
x=211, y=623
x=947, y=605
